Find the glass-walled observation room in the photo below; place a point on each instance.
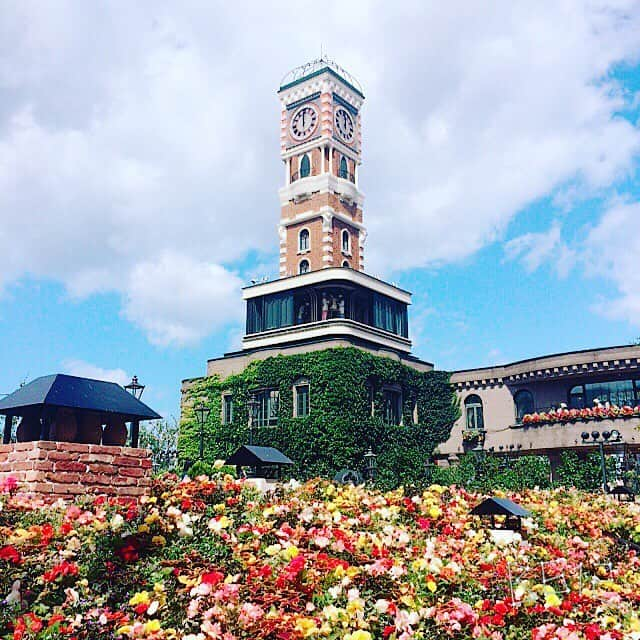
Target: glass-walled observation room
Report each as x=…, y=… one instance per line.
x=325, y=303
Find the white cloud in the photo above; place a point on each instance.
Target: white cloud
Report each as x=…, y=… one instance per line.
x=139, y=147
x=612, y=252
x=177, y=300
x=85, y=369
x=537, y=249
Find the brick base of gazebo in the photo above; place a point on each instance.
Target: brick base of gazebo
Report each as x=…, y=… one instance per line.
x=52, y=470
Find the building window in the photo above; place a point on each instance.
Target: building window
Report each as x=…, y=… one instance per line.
x=390, y=315
x=301, y=399
x=305, y=166
x=304, y=267
x=344, y=170
x=227, y=409
x=524, y=404
x=392, y=407
x=303, y=240
x=474, y=413
x=618, y=392
x=345, y=263
x=267, y=408
x=346, y=241
x=270, y=312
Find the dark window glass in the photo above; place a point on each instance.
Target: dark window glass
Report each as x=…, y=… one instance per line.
x=344, y=171
x=618, y=392
x=267, y=408
x=304, y=266
x=302, y=400
x=474, y=412
x=345, y=241
x=390, y=315
x=303, y=240
x=227, y=409
x=305, y=166
x=392, y=407
x=524, y=404
x=576, y=397
x=345, y=264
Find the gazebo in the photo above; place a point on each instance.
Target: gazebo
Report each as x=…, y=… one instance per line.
x=492, y=507
x=68, y=408
x=267, y=462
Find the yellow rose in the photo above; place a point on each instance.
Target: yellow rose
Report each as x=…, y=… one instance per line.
x=153, y=626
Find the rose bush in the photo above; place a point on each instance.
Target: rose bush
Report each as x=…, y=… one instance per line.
x=213, y=558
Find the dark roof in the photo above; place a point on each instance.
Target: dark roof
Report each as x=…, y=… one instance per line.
x=61, y=390
x=250, y=456
x=621, y=490
x=499, y=507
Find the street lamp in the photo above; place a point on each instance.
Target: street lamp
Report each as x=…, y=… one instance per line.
x=606, y=438
x=135, y=388
x=202, y=413
x=370, y=464
x=252, y=406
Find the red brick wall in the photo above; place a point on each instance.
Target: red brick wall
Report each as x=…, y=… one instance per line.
x=65, y=469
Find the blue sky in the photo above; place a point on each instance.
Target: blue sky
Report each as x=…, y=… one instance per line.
x=139, y=168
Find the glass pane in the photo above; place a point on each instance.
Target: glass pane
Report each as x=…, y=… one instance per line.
x=524, y=404
x=305, y=166
x=302, y=395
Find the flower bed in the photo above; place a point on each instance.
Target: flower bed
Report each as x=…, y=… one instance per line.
x=215, y=559
x=576, y=415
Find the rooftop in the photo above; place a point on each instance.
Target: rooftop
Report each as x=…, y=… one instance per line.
x=316, y=67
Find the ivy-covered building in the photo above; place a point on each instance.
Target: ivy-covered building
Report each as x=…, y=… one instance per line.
x=326, y=358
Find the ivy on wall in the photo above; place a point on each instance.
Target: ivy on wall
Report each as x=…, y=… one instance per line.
x=340, y=426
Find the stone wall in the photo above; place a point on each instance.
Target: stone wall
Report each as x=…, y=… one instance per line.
x=65, y=469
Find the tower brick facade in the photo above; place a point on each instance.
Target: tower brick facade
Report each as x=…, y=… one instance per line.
x=321, y=204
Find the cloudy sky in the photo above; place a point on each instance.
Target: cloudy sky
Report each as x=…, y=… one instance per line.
x=139, y=168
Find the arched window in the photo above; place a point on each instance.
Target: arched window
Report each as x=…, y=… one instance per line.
x=576, y=397
x=344, y=170
x=305, y=166
x=303, y=267
x=303, y=240
x=524, y=404
x=346, y=241
x=474, y=412
x=345, y=264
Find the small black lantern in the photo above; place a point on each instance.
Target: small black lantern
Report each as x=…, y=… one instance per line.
x=135, y=388
x=370, y=464
x=202, y=412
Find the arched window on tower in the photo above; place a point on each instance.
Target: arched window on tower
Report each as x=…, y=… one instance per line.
x=474, y=412
x=346, y=242
x=345, y=264
x=303, y=240
x=305, y=166
x=344, y=170
x=524, y=404
x=303, y=267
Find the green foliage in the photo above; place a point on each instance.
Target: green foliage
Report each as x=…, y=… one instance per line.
x=161, y=436
x=586, y=473
x=340, y=427
x=493, y=472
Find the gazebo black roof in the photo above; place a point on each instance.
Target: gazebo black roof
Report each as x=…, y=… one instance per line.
x=499, y=507
x=251, y=456
x=61, y=390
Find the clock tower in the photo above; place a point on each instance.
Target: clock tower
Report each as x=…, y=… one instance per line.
x=321, y=205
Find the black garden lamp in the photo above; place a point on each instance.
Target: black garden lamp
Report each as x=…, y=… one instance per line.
x=135, y=388
x=370, y=464
x=202, y=413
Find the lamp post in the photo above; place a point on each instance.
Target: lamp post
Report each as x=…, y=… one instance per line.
x=135, y=389
x=607, y=437
x=202, y=413
x=370, y=464
x=252, y=406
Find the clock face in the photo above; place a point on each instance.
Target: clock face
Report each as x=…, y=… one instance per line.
x=344, y=124
x=304, y=122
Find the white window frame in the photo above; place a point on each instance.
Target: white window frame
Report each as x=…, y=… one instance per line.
x=300, y=249
x=302, y=382
x=300, y=265
x=223, y=420
x=347, y=251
